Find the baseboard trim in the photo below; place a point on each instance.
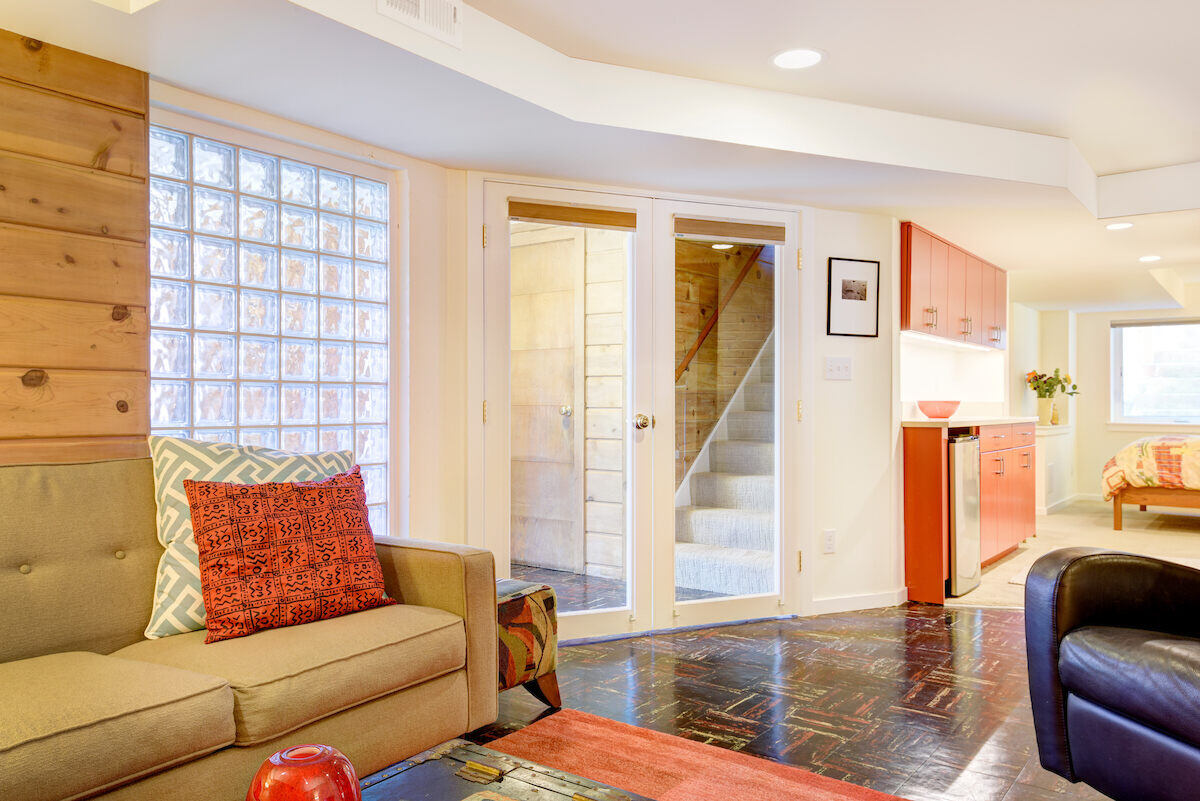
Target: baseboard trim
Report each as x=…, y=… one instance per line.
x=1054, y=507
x=853, y=603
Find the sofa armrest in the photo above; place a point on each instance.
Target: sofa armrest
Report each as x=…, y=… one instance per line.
x=1076, y=587
x=457, y=579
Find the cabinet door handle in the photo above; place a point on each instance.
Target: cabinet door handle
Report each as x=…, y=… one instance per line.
x=999, y=472
x=930, y=317
x=966, y=326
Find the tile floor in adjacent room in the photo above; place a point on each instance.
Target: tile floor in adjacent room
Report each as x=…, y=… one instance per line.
x=921, y=701
x=578, y=592
x=1158, y=532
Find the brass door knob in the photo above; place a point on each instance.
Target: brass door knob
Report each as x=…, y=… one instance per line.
x=641, y=421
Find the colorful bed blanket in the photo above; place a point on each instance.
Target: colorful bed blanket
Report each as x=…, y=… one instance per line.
x=1171, y=462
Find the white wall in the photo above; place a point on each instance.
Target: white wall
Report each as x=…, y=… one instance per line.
x=1097, y=439
x=1024, y=354
x=856, y=424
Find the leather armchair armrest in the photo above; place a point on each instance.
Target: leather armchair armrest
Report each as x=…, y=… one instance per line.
x=461, y=580
x=1076, y=587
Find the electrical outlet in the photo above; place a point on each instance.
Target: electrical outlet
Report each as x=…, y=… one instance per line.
x=829, y=536
x=838, y=368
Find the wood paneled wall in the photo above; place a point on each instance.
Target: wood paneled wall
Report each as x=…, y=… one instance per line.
x=74, y=282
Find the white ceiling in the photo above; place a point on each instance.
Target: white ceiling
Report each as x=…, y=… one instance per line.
x=1119, y=78
x=275, y=56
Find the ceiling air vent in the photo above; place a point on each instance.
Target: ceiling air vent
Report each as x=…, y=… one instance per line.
x=441, y=19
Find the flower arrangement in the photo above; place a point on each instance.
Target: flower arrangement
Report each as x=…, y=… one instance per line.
x=1047, y=384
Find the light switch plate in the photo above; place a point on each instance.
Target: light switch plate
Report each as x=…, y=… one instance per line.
x=838, y=368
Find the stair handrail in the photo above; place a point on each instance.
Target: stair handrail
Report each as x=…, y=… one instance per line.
x=712, y=321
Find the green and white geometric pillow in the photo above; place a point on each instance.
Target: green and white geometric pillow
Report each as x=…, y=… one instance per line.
x=178, y=604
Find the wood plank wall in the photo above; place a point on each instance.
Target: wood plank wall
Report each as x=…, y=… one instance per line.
x=74, y=280
x=604, y=365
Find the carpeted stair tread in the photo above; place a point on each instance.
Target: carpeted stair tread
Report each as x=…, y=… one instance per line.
x=734, y=491
x=725, y=527
x=754, y=425
x=745, y=456
x=729, y=571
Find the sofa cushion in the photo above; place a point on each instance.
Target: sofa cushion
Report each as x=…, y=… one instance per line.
x=285, y=678
x=60, y=523
x=178, y=605
x=283, y=554
x=78, y=722
x=1145, y=675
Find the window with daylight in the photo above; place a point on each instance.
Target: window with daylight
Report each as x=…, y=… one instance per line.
x=1156, y=372
x=269, y=303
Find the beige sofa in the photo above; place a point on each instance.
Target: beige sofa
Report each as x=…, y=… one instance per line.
x=88, y=707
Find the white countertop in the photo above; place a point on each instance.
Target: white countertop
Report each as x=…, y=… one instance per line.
x=964, y=422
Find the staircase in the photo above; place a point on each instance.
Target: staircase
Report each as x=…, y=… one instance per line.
x=725, y=508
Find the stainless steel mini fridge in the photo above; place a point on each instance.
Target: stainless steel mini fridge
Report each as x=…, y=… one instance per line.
x=964, y=515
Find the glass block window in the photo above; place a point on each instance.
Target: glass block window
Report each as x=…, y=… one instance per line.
x=269, y=303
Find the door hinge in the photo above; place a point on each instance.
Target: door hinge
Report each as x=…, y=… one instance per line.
x=799, y=411
x=799, y=561
x=485, y=235
x=799, y=260
x=485, y=411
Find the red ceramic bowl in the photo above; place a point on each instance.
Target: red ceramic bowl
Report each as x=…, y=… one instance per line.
x=938, y=410
x=305, y=773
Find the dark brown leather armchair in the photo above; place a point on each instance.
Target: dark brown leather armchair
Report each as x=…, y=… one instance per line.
x=1113, y=643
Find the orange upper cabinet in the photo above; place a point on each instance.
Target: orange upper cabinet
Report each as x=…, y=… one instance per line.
x=976, y=327
x=915, y=246
x=1000, y=312
x=939, y=289
x=947, y=292
x=958, y=317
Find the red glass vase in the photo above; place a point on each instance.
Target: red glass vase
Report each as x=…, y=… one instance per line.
x=305, y=773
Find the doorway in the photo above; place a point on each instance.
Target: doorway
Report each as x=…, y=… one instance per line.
x=633, y=447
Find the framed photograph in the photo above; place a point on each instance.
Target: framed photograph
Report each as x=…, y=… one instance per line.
x=853, y=298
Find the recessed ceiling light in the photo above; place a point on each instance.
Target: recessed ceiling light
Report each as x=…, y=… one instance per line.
x=1150, y=258
x=798, y=59
x=1121, y=226
x=721, y=247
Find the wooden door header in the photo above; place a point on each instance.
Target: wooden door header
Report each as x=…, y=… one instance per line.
x=532, y=211
x=750, y=233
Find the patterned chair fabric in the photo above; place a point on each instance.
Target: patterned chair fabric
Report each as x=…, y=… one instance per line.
x=528, y=621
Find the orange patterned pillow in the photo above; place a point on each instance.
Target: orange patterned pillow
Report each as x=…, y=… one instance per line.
x=275, y=555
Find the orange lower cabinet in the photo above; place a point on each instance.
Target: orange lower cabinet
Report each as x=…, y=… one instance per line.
x=992, y=504
x=1026, y=492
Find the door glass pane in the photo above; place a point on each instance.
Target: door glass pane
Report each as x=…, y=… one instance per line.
x=726, y=532
x=568, y=387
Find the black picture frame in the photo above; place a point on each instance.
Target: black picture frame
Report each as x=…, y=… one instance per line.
x=830, y=300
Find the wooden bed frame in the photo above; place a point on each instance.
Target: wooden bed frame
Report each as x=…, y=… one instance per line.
x=1153, y=496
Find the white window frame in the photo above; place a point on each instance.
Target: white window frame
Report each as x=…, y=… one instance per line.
x=1117, y=378
x=291, y=141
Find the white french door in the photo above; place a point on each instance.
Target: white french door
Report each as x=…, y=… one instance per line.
x=648, y=493
x=728, y=441
x=567, y=380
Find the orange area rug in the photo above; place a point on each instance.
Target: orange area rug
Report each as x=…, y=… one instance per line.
x=665, y=767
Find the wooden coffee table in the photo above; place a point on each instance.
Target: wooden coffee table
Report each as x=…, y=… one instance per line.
x=462, y=771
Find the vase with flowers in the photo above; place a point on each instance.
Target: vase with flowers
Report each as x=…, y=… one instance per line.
x=1047, y=385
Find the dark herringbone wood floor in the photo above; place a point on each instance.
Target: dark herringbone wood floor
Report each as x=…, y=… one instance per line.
x=925, y=702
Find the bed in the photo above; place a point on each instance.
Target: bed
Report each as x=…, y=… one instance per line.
x=1154, y=471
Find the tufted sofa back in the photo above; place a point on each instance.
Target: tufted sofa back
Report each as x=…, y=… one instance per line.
x=78, y=551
